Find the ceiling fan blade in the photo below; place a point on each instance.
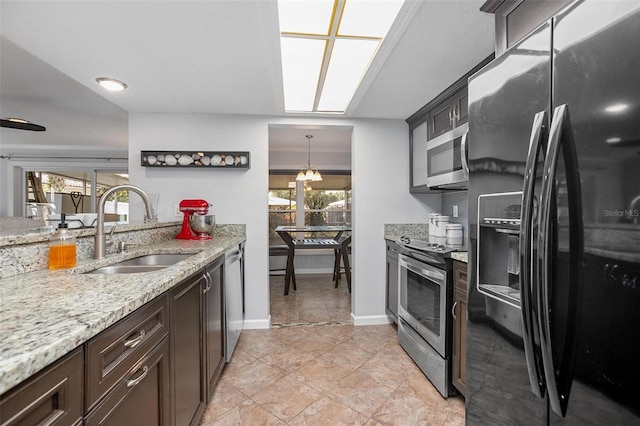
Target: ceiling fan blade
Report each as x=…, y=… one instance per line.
x=22, y=126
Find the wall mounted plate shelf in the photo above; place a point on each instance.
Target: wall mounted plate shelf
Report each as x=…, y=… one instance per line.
x=200, y=159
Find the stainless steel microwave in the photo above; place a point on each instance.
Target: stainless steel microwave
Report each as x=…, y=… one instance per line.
x=447, y=160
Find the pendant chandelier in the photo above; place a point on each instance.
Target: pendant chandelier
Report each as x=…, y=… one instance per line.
x=308, y=173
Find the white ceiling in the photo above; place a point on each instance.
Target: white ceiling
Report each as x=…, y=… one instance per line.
x=219, y=56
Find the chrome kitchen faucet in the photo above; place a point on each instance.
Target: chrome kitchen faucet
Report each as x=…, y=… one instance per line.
x=100, y=249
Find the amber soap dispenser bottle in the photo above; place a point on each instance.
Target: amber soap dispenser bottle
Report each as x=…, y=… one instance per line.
x=62, y=247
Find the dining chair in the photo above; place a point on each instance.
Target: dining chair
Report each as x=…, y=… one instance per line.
x=342, y=252
x=289, y=276
x=276, y=251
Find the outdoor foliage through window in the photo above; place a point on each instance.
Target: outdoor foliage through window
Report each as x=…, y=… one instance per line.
x=321, y=207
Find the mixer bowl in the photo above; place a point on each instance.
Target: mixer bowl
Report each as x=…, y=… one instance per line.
x=202, y=224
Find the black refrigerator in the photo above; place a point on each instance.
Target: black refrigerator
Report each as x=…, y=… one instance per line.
x=553, y=332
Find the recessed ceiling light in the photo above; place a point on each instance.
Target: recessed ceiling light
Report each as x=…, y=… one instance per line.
x=111, y=84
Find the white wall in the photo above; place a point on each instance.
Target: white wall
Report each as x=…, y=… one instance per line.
x=380, y=178
x=280, y=160
x=380, y=159
x=6, y=192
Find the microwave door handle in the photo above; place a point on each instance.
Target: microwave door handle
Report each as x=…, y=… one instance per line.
x=530, y=323
x=463, y=154
x=560, y=376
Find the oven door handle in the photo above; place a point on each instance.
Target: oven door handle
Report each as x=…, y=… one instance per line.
x=439, y=276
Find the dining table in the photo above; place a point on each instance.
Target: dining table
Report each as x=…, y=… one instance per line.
x=290, y=235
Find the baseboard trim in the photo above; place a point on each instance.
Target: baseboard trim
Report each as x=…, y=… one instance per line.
x=258, y=324
x=370, y=319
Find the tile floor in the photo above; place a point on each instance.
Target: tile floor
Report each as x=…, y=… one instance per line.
x=316, y=301
x=327, y=372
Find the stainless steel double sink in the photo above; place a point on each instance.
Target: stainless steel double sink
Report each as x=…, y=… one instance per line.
x=146, y=263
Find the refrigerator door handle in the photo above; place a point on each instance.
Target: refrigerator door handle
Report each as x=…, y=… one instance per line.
x=463, y=154
x=559, y=373
x=529, y=320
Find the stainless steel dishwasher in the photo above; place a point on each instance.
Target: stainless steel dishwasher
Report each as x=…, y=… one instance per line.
x=233, y=298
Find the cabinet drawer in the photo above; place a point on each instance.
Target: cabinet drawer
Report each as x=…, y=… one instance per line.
x=142, y=397
x=52, y=397
x=460, y=276
x=113, y=353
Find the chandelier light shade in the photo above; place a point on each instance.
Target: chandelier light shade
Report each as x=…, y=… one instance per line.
x=308, y=173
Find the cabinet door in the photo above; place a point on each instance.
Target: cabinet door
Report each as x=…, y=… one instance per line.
x=214, y=338
x=53, y=397
x=441, y=119
x=392, y=281
x=188, y=367
x=453, y=112
x=460, y=327
x=142, y=397
x=461, y=105
x=418, y=157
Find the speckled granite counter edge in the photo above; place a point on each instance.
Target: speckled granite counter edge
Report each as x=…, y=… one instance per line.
x=46, y=314
x=462, y=256
x=29, y=253
x=44, y=235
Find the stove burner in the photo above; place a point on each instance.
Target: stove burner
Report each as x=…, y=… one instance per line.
x=427, y=246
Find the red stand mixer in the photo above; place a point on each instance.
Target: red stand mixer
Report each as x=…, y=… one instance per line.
x=196, y=225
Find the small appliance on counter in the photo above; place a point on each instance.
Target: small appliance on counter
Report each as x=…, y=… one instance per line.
x=196, y=224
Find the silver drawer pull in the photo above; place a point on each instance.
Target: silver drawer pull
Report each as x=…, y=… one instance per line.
x=132, y=343
x=453, y=310
x=132, y=383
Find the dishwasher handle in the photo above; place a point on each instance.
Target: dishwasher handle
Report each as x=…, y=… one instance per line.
x=230, y=258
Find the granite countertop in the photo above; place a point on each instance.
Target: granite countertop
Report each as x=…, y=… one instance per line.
x=462, y=256
x=46, y=314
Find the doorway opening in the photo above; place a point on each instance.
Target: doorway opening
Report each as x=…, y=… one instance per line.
x=320, y=212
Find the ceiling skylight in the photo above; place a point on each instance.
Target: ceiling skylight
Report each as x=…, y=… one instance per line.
x=326, y=48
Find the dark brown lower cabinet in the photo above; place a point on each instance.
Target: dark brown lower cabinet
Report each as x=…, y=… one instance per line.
x=214, y=314
x=52, y=397
x=157, y=366
x=113, y=353
x=142, y=397
x=188, y=393
x=460, y=326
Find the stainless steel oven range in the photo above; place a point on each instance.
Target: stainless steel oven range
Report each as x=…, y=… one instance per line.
x=424, y=306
